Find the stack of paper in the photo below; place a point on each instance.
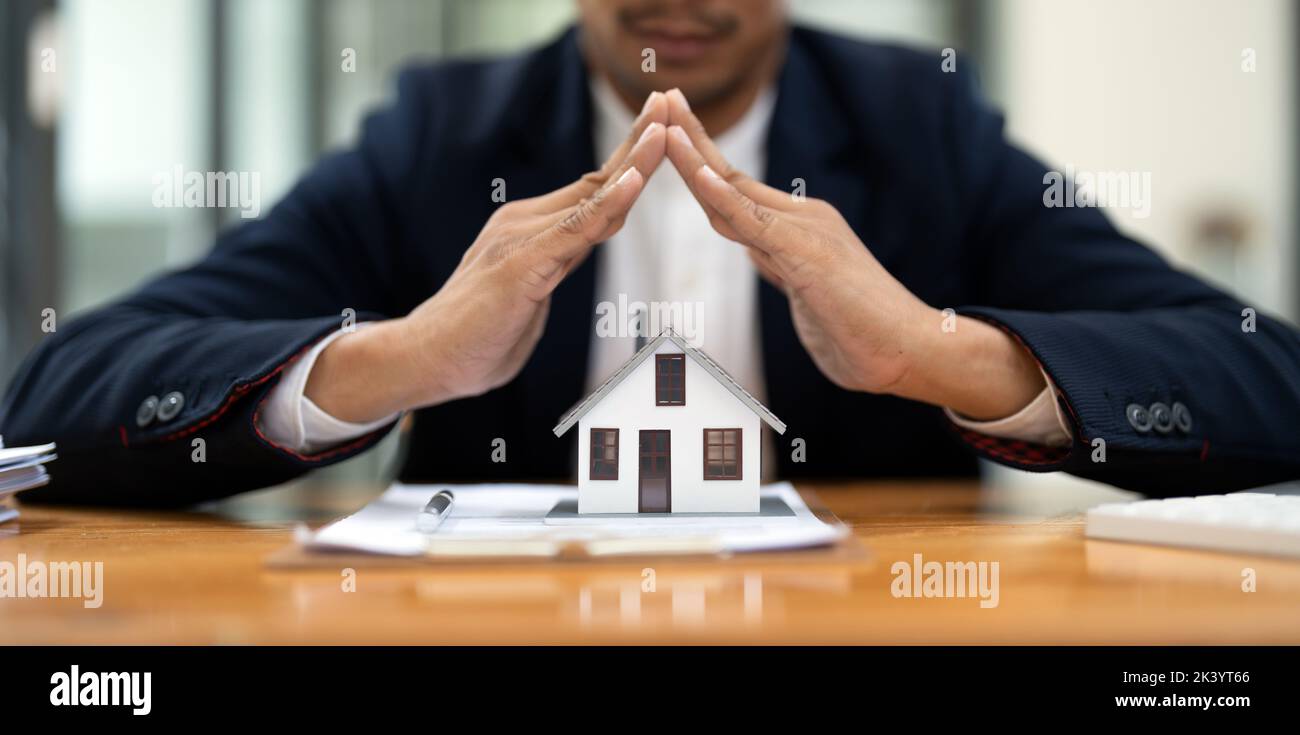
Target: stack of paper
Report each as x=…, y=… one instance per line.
x=21, y=468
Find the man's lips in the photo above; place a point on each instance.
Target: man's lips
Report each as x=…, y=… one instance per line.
x=677, y=44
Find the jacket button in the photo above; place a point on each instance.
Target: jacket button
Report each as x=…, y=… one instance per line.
x=148, y=410
x=171, y=406
x=1182, y=417
x=1162, y=418
x=1138, y=417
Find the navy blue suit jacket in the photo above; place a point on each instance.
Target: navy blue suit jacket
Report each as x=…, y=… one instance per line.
x=911, y=157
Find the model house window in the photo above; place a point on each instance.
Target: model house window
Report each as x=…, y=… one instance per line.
x=670, y=380
x=722, y=454
x=604, y=454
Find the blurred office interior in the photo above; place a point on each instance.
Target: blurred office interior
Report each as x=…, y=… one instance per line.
x=99, y=97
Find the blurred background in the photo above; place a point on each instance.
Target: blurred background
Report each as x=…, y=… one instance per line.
x=99, y=97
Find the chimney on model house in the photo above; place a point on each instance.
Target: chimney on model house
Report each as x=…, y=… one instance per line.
x=640, y=328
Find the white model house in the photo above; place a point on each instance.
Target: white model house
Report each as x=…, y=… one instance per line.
x=669, y=432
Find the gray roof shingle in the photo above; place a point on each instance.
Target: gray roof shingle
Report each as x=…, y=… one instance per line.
x=696, y=354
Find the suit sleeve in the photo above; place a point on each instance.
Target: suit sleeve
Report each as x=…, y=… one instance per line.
x=1172, y=387
x=214, y=338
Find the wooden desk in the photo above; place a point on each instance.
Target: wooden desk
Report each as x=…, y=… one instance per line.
x=199, y=578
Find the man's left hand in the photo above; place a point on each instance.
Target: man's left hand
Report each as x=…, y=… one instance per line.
x=863, y=329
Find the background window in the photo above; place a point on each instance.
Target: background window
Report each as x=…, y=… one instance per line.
x=722, y=454
x=670, y=380
x=604, y=454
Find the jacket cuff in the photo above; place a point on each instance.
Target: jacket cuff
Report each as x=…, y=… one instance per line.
x=1041, y=421
x=290, y=420
x=1010, y=448
x=227, y=408
x=1104, y=365
x=1015, y=453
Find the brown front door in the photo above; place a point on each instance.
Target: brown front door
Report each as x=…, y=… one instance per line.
x=656, y=470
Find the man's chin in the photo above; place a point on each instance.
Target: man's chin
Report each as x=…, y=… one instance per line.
x=701, y=89
x=701, y=82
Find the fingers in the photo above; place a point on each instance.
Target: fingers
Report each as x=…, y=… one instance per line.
x=655, y=111
x=692, y=152
x=566, y=235
x=732, y=212
x=645, y=154
x=632, y=152
x=689, y=161
x=755, y=224
x=680, y=115
x=738, y=207
x=695, y=136
x=593, y=220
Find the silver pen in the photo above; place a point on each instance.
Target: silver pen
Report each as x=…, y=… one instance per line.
x=435, y=511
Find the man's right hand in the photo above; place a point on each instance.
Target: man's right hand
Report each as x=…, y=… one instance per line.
x=478, y=330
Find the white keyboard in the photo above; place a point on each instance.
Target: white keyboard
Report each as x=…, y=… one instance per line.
x=1250, y=522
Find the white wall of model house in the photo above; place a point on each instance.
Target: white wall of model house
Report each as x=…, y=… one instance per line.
x=630, y=407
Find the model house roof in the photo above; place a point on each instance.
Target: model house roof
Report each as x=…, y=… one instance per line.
x=698, y=355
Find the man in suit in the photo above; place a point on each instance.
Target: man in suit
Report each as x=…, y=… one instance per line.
x=873, y=260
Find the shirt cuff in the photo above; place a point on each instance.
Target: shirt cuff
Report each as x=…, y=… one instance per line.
x=1040, y=422
x=291, y=420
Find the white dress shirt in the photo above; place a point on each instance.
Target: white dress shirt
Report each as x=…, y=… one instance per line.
x=291, y=420
x=668, y=258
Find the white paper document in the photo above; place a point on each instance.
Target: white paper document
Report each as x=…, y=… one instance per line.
x=511, y=520
x=21, y=468
x=15, y=455
x=26, y=478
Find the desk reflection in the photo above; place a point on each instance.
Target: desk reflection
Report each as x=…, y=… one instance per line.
x=623, y=602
